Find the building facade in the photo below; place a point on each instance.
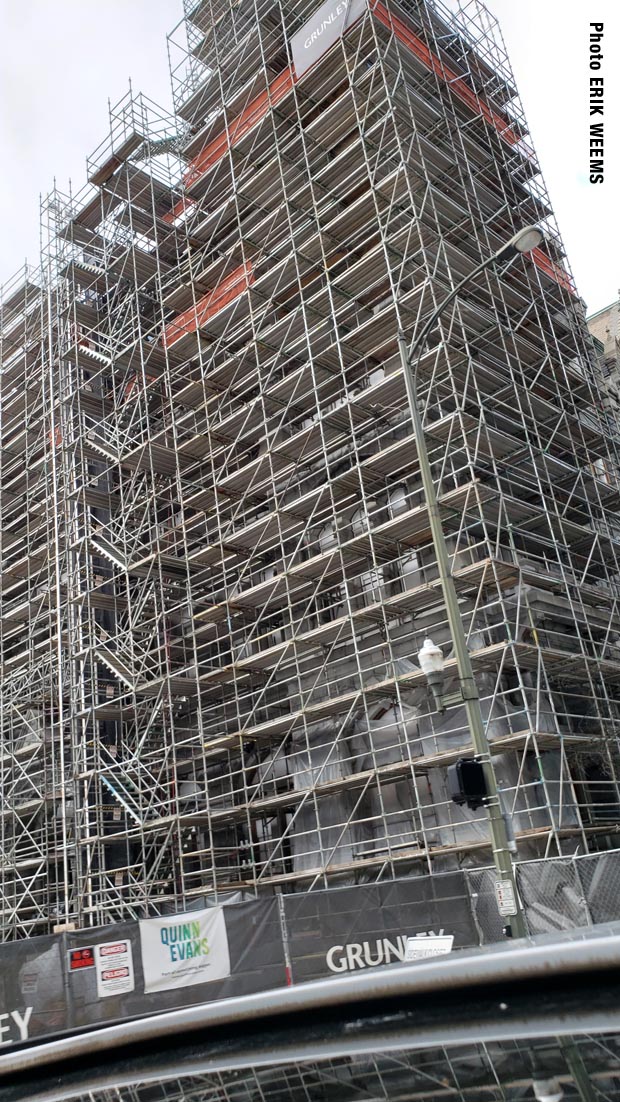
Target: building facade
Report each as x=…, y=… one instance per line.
x=605, y=328
x=217, y=564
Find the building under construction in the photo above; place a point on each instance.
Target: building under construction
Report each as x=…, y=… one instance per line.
x=217, y=567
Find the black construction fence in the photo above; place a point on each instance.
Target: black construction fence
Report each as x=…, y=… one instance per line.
x=74, y=980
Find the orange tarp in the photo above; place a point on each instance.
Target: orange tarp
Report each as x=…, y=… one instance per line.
x=435, y=65
x=134, y=385
x=239, y=127
x=547, y=265
x=210, y=304
x=465, y=93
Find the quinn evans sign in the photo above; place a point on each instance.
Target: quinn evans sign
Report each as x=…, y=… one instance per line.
x=184, y=950
x=324, y=28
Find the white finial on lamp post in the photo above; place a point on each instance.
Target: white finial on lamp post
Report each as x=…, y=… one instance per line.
x=432, y=662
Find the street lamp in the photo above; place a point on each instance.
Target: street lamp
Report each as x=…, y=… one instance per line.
x=524, y=241
x=431, y=661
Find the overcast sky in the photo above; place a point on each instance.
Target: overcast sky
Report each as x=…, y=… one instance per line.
x=62, y=59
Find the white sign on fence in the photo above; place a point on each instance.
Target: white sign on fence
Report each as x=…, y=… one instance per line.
x=428, y=945
x=183, y=950
x=114, y=964
x=505, y=894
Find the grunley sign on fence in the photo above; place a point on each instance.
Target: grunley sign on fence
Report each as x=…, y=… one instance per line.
x=325, y=27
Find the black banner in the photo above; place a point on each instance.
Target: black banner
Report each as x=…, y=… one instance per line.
x=50, y=985
x=346, y=929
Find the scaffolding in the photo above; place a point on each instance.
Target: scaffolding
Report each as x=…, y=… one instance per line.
x=216, y=564
x=582, y=1068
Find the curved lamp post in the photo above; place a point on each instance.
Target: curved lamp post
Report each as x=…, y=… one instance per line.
x=522, y=242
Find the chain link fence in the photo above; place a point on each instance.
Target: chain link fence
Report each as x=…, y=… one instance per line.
x=557, y=893
x=489, y=922
x=600, y=880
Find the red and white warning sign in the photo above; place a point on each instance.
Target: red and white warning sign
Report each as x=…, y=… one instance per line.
x=81, y=958
x=115, y=975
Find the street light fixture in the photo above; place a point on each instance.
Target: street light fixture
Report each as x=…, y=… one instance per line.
x=524, y=241
x=431, y=662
